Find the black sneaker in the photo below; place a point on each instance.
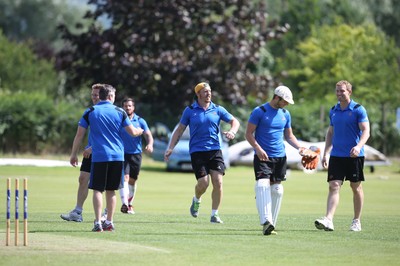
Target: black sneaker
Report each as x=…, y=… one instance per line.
x=124, y=208
x=268, y=228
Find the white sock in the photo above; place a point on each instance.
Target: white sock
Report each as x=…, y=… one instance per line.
x=132, y=193
x=276, y=197
x=196, y=199
x=263, y=200
x=214, y=212
x=123, y=192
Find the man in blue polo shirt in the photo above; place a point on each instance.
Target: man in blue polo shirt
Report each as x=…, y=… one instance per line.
x=203, y=118
x=84, y=176
x=133, y=155
x=106, y=121
x=267, y=127
x=345, y=139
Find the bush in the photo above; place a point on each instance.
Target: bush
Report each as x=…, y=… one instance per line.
x=35, y=124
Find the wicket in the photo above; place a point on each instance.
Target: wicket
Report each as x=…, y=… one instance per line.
x=8, y=214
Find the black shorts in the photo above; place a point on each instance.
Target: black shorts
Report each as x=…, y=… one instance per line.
x=346, y=168
x=274, y=169
x=132, y=165
x=203, y=162
x=86, y=164
x=106, y=175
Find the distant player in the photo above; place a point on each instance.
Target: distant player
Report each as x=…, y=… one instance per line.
x=133, y=155
x=106, y=121
x=83, y=190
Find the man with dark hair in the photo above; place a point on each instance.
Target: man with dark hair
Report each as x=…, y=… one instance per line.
x=106, y=121
x=133, y=155
x=267, y=127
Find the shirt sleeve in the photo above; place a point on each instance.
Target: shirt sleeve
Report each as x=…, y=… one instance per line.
x=143, y=124
x=185, y=119
x=288, y=119
x=255, y=116
x=224, y=114
x=83, y=122
x=126, y=122
x=362, y=114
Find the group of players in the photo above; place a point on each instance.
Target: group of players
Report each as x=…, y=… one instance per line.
x=132, y=146
x=115, y=131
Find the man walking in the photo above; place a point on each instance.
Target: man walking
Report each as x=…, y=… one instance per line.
x=267, y=127
x=133, y=155
x=84, y=175
x=106, y=121
x=347, y=134
x=203, y=118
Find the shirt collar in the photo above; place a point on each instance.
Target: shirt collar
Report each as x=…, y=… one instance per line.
x=196, y=105
x=349, y=107
x=104, y=102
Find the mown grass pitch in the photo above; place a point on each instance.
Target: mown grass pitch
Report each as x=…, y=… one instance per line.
x=163, y=232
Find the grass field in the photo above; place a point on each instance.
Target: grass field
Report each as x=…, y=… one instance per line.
x=162, y=232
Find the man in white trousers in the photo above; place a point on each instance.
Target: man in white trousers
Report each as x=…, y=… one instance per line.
x=267, y=127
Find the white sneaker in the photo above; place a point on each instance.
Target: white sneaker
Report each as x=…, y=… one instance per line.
x=72, y=216
x=104, y=216
x=215, y=219
x=355, y=226
x=324, y=224
x=130, y=209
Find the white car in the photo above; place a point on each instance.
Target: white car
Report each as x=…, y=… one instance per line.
x=242, y=153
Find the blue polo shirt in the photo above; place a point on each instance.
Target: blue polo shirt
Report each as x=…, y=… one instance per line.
x=269, y=132
x=106, y=121
x=89, y=141
x=204, y=126
x=133, y=145
x=346, y=132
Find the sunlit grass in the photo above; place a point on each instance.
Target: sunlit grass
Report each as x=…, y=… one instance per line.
x=163, y=232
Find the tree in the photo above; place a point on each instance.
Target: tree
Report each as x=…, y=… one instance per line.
x=363, y=55
x=302, y=16
x=386, y=16
x=21, y=70
x=32, y=116
x=158, y=50
x=35, y=22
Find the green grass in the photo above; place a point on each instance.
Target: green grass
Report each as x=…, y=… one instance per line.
x=163, y=232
